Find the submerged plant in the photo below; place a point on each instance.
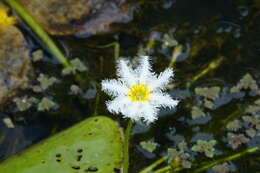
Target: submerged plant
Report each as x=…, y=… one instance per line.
x=45, y=83
x=24, y=103
x=138, y=93
x=206, y=147
x=76, y=65
x=149, y=145
x=222, y=168
x=46, y=104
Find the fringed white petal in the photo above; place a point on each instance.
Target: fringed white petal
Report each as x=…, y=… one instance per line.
x=118, y=104
x=163, y=79
x=114, y=87
x=163, y=100
x=149, y=113
x=138, y=111
x=144, y=69
x=126, y=73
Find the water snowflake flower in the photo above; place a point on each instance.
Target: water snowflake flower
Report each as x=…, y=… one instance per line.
x=138, y=93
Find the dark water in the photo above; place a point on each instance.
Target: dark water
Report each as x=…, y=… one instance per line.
x=207, y=31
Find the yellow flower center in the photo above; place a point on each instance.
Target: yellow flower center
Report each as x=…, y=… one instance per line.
x=5, y=20
x=139, y=93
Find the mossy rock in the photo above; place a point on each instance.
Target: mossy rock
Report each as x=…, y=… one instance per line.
x=94, y=145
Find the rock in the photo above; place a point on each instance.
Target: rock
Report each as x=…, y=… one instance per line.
x=84, y=17
x=15, y=63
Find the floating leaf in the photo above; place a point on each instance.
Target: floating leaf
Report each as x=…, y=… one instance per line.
x=75, y=66
x=94, y=145
x=235, y=140
x=149, y=145
x=46, y=104
x=247, y=82
x=234, y=125
x=210, y=93
x=196, y=112
x=45, y=83
x=221, y=168
x=75, y=90
x=37, y=55
x=206, y=147
x=24, y=103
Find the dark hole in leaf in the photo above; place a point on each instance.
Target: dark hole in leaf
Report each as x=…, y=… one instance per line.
x=79, y=157
x=58, y=155
x=79, y=150
x=90, y=133
x=43, y=161
x=58, y=160
x=96, y=120
x=91, y=169
x=76, y=167
x=117, y=170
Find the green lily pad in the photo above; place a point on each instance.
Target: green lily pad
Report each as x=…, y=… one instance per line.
x=94, y=145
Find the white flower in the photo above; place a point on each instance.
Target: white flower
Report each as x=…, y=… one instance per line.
x=138, y=93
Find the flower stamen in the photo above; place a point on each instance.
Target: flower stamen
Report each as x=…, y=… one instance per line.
x=139, y=93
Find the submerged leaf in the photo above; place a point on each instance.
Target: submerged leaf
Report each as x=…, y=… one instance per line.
x=46, y=104
x=75, y=66
x=149, y=145
x=196, y=112
x=206, y=147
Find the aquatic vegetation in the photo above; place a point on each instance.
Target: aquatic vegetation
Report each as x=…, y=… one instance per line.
x=149, y=146
x=24, y=103
x=46, y=104
x=234, y=125
x=8, y=122
x=254, y=109
x=206, y=147
x=37, y=55
x=138, y=93
x=75, y=66
x=179, y=156
x=209, y=94
x=222, y=168
x=75, y=90
x=196, y=112
x=45, y=83
x=246, y=83
x=235, y=140
x=168, y=41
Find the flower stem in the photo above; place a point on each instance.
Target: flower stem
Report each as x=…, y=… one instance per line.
x=38, y=30
x=168, y=169
x=211, y=66
x=228, y=158
x=207, y=164
x=153, y=165
x=126, y=146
